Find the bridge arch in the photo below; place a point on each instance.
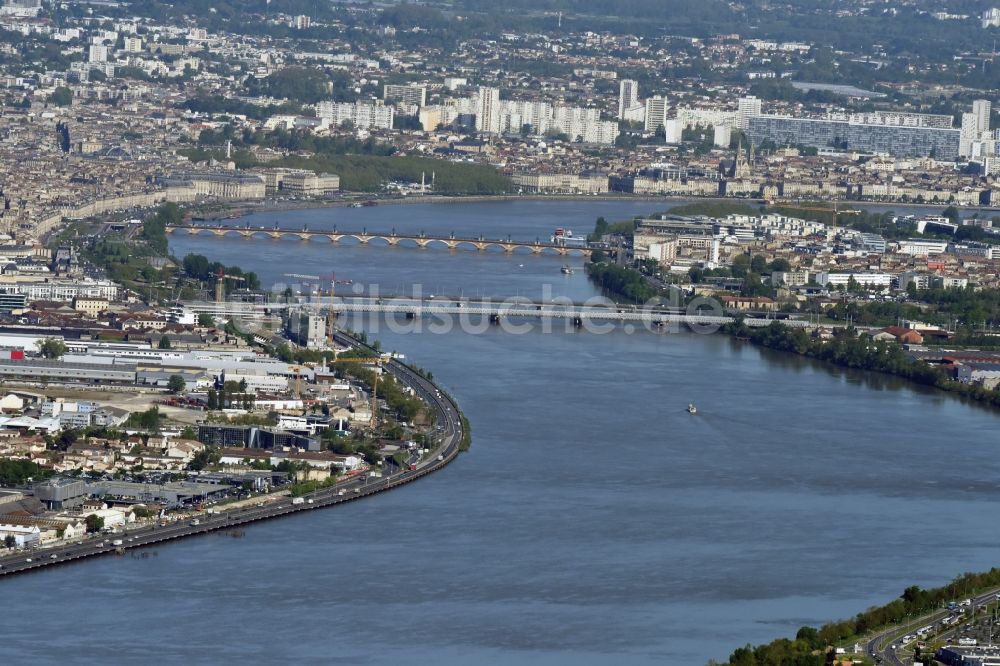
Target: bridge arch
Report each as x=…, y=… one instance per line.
x=438, y=243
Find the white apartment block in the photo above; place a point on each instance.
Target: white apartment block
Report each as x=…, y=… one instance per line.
x=628, y=97
x=98, y=53
x=362, y=115
x=748, y=107
x=656, y=112
x=488, y=112
x=415, y=95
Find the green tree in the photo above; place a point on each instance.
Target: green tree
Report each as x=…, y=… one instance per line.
x=780, y=264
x=51, y=348
x=741, y=265
x=176, y=384
x=164, y=343
x=94, y=523
x=9, y=541
x=205, y=319
x=61, y=96
x=210, y=455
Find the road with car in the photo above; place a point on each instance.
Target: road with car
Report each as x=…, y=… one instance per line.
x=450, y=434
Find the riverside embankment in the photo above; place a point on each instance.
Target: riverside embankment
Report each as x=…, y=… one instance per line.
x=452, y=437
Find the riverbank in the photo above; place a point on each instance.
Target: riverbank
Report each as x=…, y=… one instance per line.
x=848, y=350
x=353, y=198
x=455, y=439
x=871, y=627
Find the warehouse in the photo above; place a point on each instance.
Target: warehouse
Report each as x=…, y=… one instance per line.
x=35, y=369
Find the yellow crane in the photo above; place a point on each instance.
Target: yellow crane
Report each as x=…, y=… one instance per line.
x=368, y=360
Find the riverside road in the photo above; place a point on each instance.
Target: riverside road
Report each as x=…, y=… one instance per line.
x=451, y=432
x=885, y=647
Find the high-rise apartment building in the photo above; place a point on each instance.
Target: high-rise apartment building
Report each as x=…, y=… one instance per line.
x=969, y=133
x=628, y=96
x=488, y=110
x=982, y=108
x=656, y=112
x=749, y=107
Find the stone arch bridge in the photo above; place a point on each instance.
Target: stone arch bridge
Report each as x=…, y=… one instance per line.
x=392, y=239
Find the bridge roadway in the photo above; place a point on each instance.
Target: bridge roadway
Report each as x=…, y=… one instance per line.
x=452, y=433
x=393, y=239
x=555, y=309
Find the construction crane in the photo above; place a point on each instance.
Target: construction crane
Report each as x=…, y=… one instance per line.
x=368, y=360
x=220, y=282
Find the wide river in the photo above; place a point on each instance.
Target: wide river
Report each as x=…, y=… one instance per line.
x=594, y=521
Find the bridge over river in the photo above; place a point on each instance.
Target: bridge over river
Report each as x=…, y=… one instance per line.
x=392, y=239
x=708, y=314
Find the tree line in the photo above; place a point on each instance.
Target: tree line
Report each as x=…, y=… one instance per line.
x=809, y=646
x=848, y=349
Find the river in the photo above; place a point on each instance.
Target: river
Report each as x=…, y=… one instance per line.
x=594, y=521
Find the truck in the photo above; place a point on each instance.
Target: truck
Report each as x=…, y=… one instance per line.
x=298, y=500
x=195, y=523
x=116, y=542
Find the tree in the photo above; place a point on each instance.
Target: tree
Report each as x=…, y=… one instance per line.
x=205, y=319
x=94, y=523
x=213, y=399
x=61, y=96
x=164, y=343
x=781, y=264
x=66, y=439
x=741, y=265
x=208, y=456
x=176, y=384
x=9, y=541
x=51, y=348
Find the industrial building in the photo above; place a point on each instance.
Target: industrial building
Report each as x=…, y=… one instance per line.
x=252, y=437
x=36, y=369
x=61, y=493
x=171, y=494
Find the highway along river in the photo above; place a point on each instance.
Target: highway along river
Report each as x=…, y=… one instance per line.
x=594, y=521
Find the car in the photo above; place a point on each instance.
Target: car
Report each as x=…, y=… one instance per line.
x=53, y=556
x=28, y=560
